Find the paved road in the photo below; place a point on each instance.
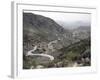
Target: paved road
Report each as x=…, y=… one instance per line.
x=31, y=52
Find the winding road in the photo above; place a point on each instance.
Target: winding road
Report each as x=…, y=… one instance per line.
x=31, y=52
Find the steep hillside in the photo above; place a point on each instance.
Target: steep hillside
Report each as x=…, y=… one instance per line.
x=37, y=29
x=79, y=52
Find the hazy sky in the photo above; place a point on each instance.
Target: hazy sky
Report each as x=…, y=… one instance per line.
x=66, y=18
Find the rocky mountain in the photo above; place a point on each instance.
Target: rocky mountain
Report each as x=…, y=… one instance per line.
x=82, y=32
x=37, y=29
x=48, y=37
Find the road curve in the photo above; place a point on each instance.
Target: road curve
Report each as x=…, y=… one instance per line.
x=31, y=53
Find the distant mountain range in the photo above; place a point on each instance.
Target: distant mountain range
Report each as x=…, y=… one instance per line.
x=74, y=25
